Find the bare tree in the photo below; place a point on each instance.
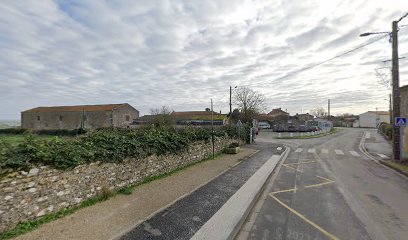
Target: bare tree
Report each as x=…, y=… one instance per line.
x=161, y=116
x=319, y=112
x=249, y=102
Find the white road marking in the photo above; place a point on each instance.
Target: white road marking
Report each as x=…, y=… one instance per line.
x=311, y=150
x=339, y=152
x=354, y=153
x=382, y=156
x=367, y=134
x=299, y=150
x=325, y=151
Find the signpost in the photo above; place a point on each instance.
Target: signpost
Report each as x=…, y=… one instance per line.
x=400, y=122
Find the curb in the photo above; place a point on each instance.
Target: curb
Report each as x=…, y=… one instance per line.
x=227, y=221
x=379, y=161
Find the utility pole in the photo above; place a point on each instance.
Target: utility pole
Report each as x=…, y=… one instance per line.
x=212, y=129
x=390, y=109
x=230, y=100
x=395, y=92
x=328, y=109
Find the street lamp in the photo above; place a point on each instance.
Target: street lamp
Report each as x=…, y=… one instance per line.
x=395, y=87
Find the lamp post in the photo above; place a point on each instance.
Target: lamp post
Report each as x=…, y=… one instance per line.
x=395, y=87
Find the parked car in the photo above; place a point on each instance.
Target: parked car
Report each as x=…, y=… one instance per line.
x=302, y=128
x=263, y=125
x=292, y=129
x=279, y=129
x=314, y=129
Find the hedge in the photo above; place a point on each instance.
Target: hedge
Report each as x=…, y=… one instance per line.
x=105, y=145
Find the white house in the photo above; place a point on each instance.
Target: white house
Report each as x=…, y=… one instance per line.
x=372, y=119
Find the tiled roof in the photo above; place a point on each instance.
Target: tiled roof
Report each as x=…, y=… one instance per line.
x=277, y=111
x=79, y=108
x=193, y=113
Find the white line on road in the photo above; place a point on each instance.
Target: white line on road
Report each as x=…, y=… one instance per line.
x=311, y=150
x=299, y=150
x=367, y=134
x=325, y=151
x=354, y=153
x=382, y=156
x=339, y=152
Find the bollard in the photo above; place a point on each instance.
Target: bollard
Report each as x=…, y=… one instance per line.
x=280, y=135
x=291, y=134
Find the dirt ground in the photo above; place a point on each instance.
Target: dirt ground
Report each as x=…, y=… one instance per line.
x=116, y=216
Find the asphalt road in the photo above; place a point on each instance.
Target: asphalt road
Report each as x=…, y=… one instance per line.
x=328, y=189
x=186, y=216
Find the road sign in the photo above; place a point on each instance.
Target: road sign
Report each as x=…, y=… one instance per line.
x=400, y=121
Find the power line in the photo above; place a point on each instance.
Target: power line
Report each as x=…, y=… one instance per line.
x=403, y=17
x=330, y=59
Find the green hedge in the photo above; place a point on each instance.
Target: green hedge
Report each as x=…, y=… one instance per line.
x=386, y=130
x=105, y=145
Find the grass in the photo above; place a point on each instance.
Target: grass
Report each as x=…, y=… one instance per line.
x=332, y=131
x=402, y=167
x=15, y=139
x=105, y=194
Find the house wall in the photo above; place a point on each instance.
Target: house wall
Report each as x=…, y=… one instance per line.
x=70, y=120
x=119, y=116
x=368, y=119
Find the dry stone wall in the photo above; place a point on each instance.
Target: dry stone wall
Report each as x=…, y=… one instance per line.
x=42, y=190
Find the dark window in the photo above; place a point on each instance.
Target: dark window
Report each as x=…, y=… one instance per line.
x=38, y=118
x=60, y=118
x=127, y=118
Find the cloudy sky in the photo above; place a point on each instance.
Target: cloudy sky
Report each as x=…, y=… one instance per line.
x=182, y=53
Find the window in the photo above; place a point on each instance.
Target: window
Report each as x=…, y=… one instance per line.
x=127, y=118
x=38, y=118
x=60, y=118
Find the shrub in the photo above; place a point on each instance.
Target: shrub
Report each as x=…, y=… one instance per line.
x=105, y=145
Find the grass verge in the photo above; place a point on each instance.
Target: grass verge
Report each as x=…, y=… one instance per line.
x=401, y=167
x=105, y=194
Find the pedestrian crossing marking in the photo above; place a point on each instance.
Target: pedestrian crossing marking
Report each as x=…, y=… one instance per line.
x=382, y=156
x=311, y=150
x=339, y=152
x=299, y=150
x=325, y=151
x=354, y=153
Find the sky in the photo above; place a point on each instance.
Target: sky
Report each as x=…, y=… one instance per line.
x=182, y=53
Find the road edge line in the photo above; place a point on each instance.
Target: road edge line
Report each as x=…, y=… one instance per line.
x=378, y=161
x=227, y=221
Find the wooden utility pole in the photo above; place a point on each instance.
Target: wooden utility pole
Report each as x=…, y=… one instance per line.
x=230, y=101
x=328, y=109
x=212, y=129
x=395, y=93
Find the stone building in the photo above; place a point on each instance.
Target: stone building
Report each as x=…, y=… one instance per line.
x=82, y=116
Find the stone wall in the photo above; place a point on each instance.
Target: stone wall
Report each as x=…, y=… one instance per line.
x=42, y=190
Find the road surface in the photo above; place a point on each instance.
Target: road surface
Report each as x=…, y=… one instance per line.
x=328, y=189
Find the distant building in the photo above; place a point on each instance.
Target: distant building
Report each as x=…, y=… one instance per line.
x=304, y=117
x=198, y=118
x=372, y=119
x=81, y=116
x=277, y=112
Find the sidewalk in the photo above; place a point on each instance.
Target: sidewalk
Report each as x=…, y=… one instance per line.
x=114, y=218
x=377, y=146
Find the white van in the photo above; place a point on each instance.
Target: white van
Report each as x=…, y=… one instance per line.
x=264, y=125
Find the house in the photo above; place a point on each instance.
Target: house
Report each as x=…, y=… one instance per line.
x=372, y=119
x=198, y=118
x=277, y=112
x=304, y=117
x=80, y=116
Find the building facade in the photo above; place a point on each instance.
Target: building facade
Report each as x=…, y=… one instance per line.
x=372, y=119
x=81, y=116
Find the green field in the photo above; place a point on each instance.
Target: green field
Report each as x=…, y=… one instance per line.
x=16, y=139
